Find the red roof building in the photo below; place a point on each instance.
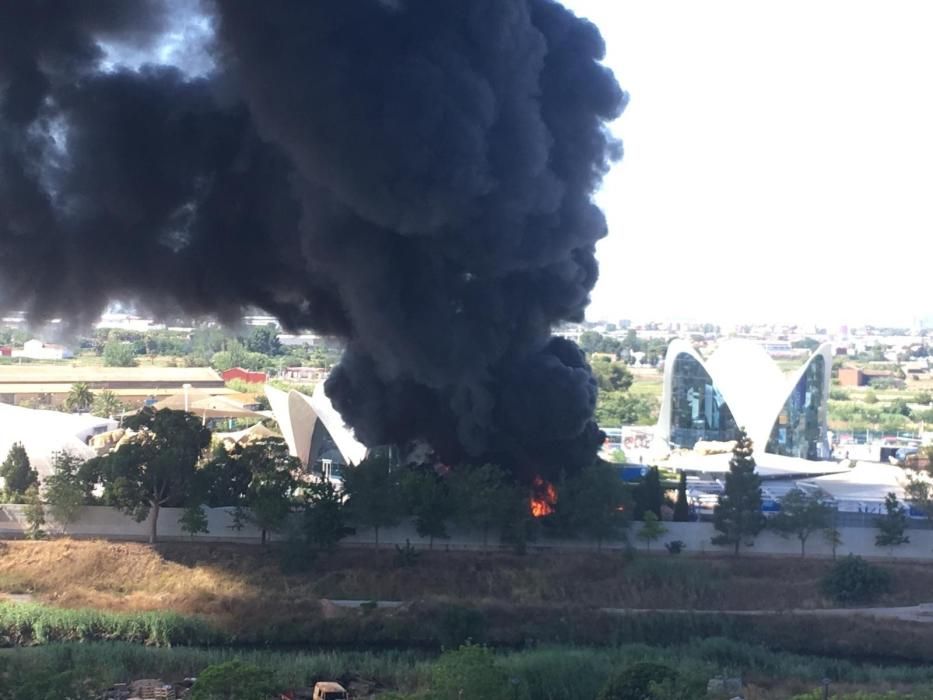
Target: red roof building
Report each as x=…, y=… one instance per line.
x=245, y=375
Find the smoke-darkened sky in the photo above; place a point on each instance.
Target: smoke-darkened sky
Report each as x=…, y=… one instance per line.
x=415, y=177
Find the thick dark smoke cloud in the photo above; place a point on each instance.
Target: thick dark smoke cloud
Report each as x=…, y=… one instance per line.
x=414, y=176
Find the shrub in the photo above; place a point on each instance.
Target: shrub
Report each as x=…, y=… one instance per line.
x=854, y=580
x=233, y=680
x=472, y=672
x=406, y=556
x=675, y=546
x=634, y=682
x=459, y=625
x=838, y=395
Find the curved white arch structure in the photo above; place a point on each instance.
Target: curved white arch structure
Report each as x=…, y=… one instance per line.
x=309, y=422
x=741, y=386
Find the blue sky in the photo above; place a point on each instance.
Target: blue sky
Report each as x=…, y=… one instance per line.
x=778, y=160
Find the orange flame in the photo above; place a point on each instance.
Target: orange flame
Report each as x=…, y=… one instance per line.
x=543, y=498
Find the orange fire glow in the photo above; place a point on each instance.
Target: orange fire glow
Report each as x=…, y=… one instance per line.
x=543, y=497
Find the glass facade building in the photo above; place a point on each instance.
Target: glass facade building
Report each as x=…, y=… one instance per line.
x=798, y=430
x=698, y=410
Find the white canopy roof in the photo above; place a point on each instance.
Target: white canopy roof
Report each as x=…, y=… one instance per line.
x=766, y=464
x=42, y=433
x=866, y=481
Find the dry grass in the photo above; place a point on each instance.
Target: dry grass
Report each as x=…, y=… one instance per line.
x=235, y=582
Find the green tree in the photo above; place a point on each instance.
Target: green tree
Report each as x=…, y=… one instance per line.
x=64, y=489
x=612, y=376
x=119, y=354
x=621, y=408
x=18, y=475
x=156, y=468
x=481, y=497
x=833, y=535
x=919, y=493
x=374, y=494
x=801, y=515
x=234, y=680
x=264, y=340
x=193, y=520
x=427, y=496
x=106, y=404
x=593, y=504
x=737, y=516
x=79, y=398
x=899, y=407
x=268, y=498
x=652, y=529
x=517, y=526
x=324, y=523
x=34, y=513
x=650, y=495
x=892, y=525
x=682, y=507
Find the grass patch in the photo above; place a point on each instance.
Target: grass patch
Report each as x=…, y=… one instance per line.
x=555, y=673
x=25, y=624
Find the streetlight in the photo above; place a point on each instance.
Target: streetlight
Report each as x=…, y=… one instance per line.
x=186, y=387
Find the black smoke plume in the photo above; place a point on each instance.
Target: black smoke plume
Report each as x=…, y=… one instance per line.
x=414, y=176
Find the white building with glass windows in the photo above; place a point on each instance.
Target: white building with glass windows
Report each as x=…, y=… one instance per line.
x=740, y=386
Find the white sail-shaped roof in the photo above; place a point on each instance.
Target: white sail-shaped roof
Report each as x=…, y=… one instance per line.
x=298, y=414
x=748, y=381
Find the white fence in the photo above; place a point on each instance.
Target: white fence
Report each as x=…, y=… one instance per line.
x=100, y=521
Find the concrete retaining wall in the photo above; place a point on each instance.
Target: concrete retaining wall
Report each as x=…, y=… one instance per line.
x=99, y=521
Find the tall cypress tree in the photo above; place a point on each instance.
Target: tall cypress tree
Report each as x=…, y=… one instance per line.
x=738, y=514
x=18, y=475
x=681, y=508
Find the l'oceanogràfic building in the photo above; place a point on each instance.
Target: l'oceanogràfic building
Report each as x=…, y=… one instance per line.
x=740, y=386
x=315, y=433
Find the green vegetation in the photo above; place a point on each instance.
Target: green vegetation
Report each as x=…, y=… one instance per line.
x=79, y=399
x=682, y=508
x=801, y=515
x=652, y=529
x=556, y=673
x=65, y=493
x=18, y=475
x=635, y=681
x=737, y=516
x=234, y=680
x=374, y=494
x=26, y=624
x=157, y=470
x=117, y=353
x=893, y=524
x=854, y=580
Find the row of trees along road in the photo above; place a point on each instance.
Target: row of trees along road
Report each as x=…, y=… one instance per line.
x=738, y=517
x=167, y=464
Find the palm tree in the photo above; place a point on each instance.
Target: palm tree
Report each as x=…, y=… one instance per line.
x=107, y=405
x=80, y=398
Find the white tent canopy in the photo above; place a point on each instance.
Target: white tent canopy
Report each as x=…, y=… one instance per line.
x=42, y=433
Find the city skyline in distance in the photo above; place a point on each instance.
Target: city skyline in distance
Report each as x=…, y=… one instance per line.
x=777, y=162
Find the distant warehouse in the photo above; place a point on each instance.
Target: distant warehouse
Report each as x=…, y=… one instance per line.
x=132, y=385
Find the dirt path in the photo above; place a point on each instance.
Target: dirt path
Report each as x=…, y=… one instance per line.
x=910, y=613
